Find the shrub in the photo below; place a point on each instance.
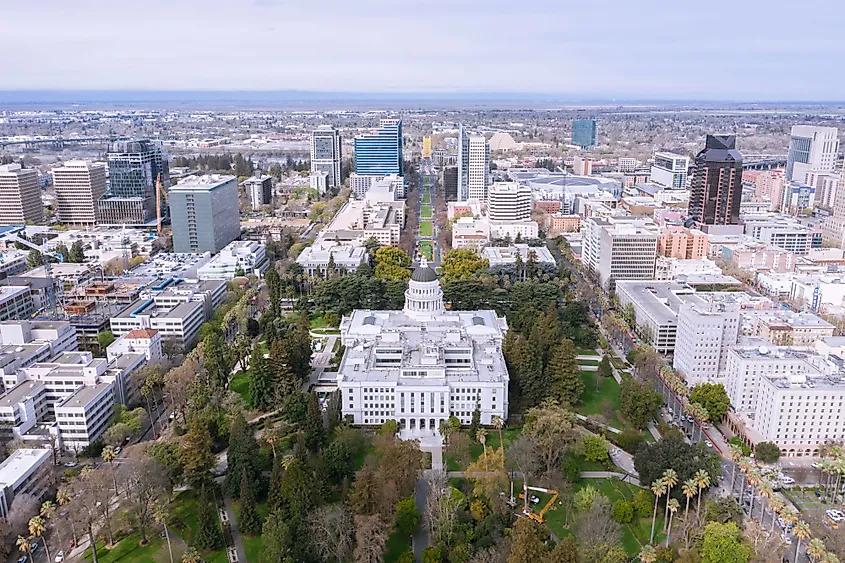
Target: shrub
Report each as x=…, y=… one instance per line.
x=767, y=452
x=630, y=440
x=570, y=469
x=643, y=502
x=595, y=449
x=622, y=511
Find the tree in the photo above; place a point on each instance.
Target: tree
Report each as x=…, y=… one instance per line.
x=260, y=381
x=145, y=482
x=670, y=479
x=370, y=539
x=564, y=374
x=25, y=547
x=242, y=457
x=77, y=253
x=605, y=371
x=34, y=259
x=533, y=381
x=249, y=521
x=392, y=263
x=816, y=550
x=191, y=555
x=337, y=458
x=550, y=426
x=658, y=489
x=365, y=492
x=462, y=264
x=162, y=515
x=622, y=511
x=722, y=544
x=331, y=530
x=767, y=452
x=713, y=397
x=529, y=542
x=638, y=402
x=584, y=498
x=195, y=455
x=37, y=529
x=61, y=249
x=209, y=536
x=672, y=506
x=802, y=532
x=407, y=516
x=314, y=431
x=596, y=448
x=277, y=540
x=105, y=338
x=648, y=554
x=566, y=551
x=643, y=502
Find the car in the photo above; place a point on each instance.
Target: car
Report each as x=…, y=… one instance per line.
x=172, y=416
x=70, y=464
x=786, y=539
x=33, y=547
x=60, y=556
x=818, y=493
x=22, y=559
x=835, y=515
x=117, y=450
x=787, y=480
x=709, y=443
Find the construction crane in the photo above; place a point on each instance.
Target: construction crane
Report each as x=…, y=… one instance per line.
x=538, y=516
x=160, y=191
x=12, y=235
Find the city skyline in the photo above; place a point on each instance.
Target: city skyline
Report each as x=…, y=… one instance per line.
x=434, y=48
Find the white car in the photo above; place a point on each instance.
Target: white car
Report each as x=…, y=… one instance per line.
x=117, y=450
x=787, y=480
x=786, y=539
x=835, y=515
x=60, y=556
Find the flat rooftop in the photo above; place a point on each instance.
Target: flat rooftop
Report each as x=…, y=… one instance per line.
x=20, y=463
x=83, y=396
x=20, y=392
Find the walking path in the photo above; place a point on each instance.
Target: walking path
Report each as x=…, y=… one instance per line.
x=236, y=535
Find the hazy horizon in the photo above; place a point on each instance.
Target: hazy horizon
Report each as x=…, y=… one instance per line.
x=753, y=51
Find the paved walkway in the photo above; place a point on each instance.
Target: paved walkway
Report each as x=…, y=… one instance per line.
x=236, y=535
x=610, y=475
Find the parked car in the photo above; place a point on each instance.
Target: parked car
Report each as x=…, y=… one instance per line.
x=117, y=450
x=22, y=559
x=60, y=556
x=787, y=480
x=70, y=464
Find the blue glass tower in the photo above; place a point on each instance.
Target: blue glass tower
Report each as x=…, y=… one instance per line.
x=380, y=153
x=584, y=133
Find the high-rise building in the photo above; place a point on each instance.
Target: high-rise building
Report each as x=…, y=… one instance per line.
x=478, y=172
x=326, y=153
x=716, y=191
x=79, y=185
x=463, y=163
x=670, y=170
x=623, y=249
x=260, y=191
x=426, y=147
x=707, y=328
x=582, y=166
x=134, y=168
x=380, y=152
x=509, y=201
x=682, y=243
x=811, y=148
x=584, y=133
x=204, y=213
x=450, y=183
x=20, y=196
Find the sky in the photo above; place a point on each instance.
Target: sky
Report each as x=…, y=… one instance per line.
x=754, y=50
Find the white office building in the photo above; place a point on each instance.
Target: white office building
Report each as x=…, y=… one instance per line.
x=318, y=258
x=84, y=415
x=509, y=201
x=24, y=472
x=707, y=327
x=27, y=342
x=241, y=257
x=627, y=251
x=478, y=172
x=811, y=149
x=421, y=365
x=78, y=185
x=670, y=170
x=144, y=341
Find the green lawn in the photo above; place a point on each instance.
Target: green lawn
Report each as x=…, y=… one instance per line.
x=426, y=249
x=318, y=321
x=397, y=544
x=184, y=518
x=426, y=228
x=129, y=550
x=588, y=362
x=240, y=385
x=586, y=352
x=634, y=535
x=593, y=402
x=426, y=199
x=425, y=212
x=253, y=544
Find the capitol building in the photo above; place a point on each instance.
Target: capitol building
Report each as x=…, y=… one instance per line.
x=423, y=364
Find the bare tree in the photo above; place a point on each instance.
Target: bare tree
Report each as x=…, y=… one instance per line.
x=331, y=530
x=24, y=507
x=370, y=539
x=595, y=526
x=767, y=547
x=458, y=448
x=145, y=481
x=440, y=516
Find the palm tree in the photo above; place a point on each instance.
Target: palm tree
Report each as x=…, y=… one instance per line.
x=816, y=549
x=689, y=489
x=24, y=546
x=802, y=532
x=659, y=489
x=192, y=556
x=744, y=467
x=735, y=454
x=670, y=479
x=777, y=506
x=481, y=436
x=648, y=554
x=831, y=557
x=753, y=482
x=48, y=509
x=162, y=514
x=765, y=492
x=673, y=505
x=446, y=430
x=109, y=456
x=499, y=423
x=838, y=467
x=702, y=481
x=37, y=528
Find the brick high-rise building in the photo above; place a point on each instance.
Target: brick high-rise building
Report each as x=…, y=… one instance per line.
x=717, y=182
x=78, y=186
x=20, y=196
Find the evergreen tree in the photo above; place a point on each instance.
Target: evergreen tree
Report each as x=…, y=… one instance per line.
x=274, y=496
x=564, y=374
x=195, y=454
x=209, y=535
x=243, y=457
x=77, y=253
x=62, y=249
x=249, y=522
x=533, y=381
x=282, y=377
x=297, y=492
x=476, y=420
x=34, y=259
x=277, y=540
x=260, y=382
x=314, y=432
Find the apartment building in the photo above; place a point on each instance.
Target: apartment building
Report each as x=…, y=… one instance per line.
x=79, y=185
x=716, y=188
x=24, y=472
x=144, y=341
x=707, y=327
x=478, y=172
x=20, y=196
x=682, y=243
x=259, y=190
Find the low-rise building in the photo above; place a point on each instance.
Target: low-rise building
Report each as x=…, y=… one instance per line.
x=682, y=243
x=503, y=259
x=145, y=341
x=321, y=256
x=84, y=415
x=656, y=306
x=24, y=472
x=557, y=224
x=759, y=256
x=27, y=342
x=671, y=268
x=782, y=327
x=242, y=257
x=470, y=233
x=15, y=303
